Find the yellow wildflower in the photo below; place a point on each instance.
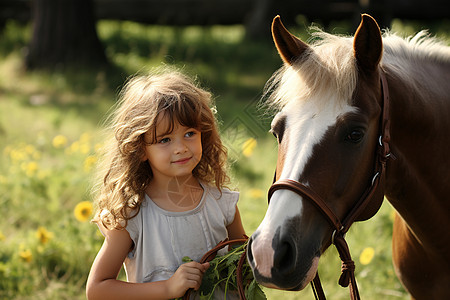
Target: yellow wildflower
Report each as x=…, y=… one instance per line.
x=30, y=168
x=85, y=148
x=44, y=235
x=29, y=149
x=256, y=193
x=17, y=155
x=89, y=162
x=74, y=148
x=85, y=137
x=248, y=147
x=59, y=141
x=366, y=256
x=26, y=255
x=83, y=211
x=2, y=236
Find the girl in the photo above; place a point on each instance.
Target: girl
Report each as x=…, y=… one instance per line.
x=162, y=196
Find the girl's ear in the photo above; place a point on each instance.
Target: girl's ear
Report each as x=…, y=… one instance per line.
x=144, y=156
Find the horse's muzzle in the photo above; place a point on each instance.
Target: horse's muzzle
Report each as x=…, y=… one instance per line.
x=281, y=261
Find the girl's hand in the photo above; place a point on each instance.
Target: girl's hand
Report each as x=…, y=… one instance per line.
x=188, y=275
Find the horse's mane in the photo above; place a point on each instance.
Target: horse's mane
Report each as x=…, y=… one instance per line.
x=421, y=46
x=329, y=66
x=403, y=55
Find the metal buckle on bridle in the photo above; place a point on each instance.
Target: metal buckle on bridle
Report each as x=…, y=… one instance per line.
x=375, y=177
x=334, y=234
x=384, y=155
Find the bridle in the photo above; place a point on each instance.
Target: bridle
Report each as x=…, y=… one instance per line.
x=347, y=277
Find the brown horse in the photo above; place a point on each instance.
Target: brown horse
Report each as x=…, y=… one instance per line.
x=333, y=122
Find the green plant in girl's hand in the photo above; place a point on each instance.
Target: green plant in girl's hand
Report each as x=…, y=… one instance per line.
x=223, y=272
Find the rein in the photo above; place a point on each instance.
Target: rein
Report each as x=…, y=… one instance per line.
x=347, y=277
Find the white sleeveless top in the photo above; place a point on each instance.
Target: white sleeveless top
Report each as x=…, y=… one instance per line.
x=162, y=238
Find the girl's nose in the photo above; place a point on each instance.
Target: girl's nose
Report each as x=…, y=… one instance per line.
x=180, y=147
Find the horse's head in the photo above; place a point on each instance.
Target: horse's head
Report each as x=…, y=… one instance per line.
x=327, y=130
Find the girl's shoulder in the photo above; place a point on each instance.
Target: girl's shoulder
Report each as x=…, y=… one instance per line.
x=225, y=197
x=222, y=203
x=217, y=194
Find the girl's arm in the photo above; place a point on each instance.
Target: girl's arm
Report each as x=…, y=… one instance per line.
x=102, y=282
x=235, y=229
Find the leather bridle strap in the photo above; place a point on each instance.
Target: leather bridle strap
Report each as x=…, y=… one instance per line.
x=303, y=190
x=347, y=277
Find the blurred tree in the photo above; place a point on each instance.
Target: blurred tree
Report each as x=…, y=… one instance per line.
x=258, y=24
x=64, y=34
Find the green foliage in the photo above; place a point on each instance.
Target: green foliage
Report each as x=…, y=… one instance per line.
x=13, y=37
x=222, y=274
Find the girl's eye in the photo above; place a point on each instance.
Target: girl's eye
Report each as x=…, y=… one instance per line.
x=190, y=134
x=164, y=140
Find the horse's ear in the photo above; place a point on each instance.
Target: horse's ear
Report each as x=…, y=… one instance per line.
x=289, y=47
x=367, y=44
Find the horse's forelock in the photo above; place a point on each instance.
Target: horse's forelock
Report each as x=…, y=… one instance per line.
x=328, y=67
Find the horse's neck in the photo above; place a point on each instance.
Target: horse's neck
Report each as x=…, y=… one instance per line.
x=418, y=181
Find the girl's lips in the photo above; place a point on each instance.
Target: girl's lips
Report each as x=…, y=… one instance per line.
x=182, y=161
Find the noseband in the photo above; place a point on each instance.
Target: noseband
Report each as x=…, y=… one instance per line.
x=341, y=227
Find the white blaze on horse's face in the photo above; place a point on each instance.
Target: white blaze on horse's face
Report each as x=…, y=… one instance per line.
x=303, y=125
x=306, y=124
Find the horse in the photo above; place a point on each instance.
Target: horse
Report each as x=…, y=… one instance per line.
x=359, y=118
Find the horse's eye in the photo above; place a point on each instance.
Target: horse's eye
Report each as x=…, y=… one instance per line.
x=355, y=136
x=277, y=136
x=278, y=127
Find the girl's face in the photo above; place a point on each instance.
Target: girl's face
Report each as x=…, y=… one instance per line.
x=174, y=154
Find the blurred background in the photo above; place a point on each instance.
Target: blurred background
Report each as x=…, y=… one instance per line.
x=62, y=63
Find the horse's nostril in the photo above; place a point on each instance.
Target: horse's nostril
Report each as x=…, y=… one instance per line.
x=284, y=260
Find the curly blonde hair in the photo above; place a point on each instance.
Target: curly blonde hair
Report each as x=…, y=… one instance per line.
x=125, y=175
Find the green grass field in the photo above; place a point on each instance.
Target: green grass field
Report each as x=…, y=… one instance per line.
x=51, y=132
